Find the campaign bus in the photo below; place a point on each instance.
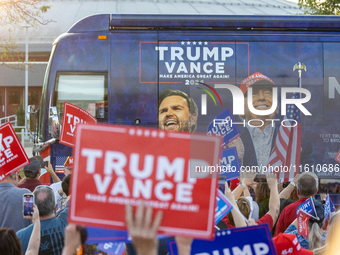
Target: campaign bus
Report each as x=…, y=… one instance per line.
x=116, y=66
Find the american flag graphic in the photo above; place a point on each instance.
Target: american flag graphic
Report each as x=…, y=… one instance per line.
x=285, y=156
x=59, y=164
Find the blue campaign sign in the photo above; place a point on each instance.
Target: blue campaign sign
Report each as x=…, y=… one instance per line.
x=112, y=248
x=255, y=240
x=332, y=205
x=223, y=206
x=308, y=207
x=224, y=125
x=105, y=235
x=230, y=164
x=328, y=209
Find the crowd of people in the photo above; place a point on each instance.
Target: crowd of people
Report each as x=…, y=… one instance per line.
x=255, y=200
x=261, y=202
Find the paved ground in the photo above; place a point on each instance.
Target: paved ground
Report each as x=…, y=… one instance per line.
x=28, y=146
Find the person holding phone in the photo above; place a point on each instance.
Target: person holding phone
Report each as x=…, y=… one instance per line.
x=11, y=203
x=28, y=202
x=52, y=226
x=32, y=173
x=34, y=242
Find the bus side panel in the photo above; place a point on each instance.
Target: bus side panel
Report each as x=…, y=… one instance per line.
x=133, y=91
x=273, y=54
x=190, y=58
x=75, y=53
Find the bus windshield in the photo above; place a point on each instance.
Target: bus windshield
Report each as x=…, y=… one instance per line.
x=87, y=91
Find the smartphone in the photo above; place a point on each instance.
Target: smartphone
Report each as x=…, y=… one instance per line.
x=28, y=201
x=44, y=164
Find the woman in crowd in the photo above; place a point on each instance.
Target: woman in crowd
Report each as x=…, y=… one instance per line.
x=332, y=244
x=262, y=193
x=244, y=207
x=317, y=236
x=9, y=242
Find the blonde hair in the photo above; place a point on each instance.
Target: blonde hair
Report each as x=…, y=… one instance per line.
x=244, y=207
x=315, y=235
x=332, y=244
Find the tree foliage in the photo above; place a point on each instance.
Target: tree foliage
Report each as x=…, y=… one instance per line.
x=20, y=113
x=16, y=14
x=320, y=7
x=22, y=12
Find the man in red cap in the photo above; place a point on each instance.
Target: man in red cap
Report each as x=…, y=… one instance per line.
x=259, y=137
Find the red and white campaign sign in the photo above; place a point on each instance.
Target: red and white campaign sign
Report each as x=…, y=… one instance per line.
x=118, y=165
x=12, y=154
x=302, y=223
x=337, y=158
x=73, y=115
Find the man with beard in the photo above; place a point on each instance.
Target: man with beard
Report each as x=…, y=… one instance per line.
x=177, y=111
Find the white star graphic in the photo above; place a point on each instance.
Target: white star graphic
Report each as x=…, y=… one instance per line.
x=188, y=43
x=199, y=43
x=194, y=43
x=182, y=43
x=205, y=43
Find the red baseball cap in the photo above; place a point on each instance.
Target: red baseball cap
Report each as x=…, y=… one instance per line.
x=254, y=78
x=288, y=244
x=69, y=163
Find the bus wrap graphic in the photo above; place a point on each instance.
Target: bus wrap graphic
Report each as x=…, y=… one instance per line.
x=204, y=97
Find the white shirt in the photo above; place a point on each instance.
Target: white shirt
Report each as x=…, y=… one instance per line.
x=56, y=186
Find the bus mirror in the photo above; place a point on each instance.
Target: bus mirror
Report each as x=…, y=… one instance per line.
x=31, y=119
x=54, y=124
x=31, y=109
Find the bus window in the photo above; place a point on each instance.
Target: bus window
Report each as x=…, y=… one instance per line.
x=88, y=91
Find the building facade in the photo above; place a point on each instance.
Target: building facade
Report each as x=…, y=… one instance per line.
x=65, y=13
